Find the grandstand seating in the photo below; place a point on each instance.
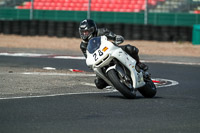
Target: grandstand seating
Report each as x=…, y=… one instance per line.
x=197, y=10
x=96, y=5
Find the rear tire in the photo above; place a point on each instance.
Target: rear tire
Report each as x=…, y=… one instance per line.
x=149, y=90
x=121, y=87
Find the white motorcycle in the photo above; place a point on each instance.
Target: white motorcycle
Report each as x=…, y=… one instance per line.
x=118, y=69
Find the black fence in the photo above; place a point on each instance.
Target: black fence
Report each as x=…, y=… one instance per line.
x=70, y=29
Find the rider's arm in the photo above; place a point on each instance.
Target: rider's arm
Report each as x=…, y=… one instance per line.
x=104, y=31
x=83, y=47
x=110, y=35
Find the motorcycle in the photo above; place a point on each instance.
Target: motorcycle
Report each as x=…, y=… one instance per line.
x=118, y=69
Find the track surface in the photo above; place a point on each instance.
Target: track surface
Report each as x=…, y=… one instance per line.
x=174, y=109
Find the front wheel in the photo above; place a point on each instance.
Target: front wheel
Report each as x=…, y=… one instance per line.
x=121, y=86
x=149, y=90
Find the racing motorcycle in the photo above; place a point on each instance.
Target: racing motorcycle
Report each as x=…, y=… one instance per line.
x=118, y=69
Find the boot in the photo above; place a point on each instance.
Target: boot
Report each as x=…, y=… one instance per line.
x=142, y=66
x=100, y=83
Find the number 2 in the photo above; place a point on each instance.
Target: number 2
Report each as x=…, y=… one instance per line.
x=95, y=56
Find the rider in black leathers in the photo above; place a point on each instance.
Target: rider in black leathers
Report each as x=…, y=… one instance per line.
x=88, y=29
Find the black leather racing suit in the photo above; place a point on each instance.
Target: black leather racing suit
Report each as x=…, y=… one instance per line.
x=131, y=50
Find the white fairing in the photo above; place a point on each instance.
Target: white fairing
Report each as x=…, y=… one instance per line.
x=102, y=57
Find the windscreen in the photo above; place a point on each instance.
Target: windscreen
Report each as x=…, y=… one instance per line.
x=94, y=44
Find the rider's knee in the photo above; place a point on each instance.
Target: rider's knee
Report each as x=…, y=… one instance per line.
x=132, y=49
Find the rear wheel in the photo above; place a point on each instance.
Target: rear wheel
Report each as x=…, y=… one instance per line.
x=122, y=84
x=149, y=90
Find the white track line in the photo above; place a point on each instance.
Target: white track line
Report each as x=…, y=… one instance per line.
x=42, y=55
x=171, y=62
x=69, y=57
x=83, y=58
x=23, y=54
x=53, y=95
x=55, y=74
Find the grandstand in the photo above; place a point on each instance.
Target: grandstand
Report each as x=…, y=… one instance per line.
x=96, y=5
x=114, y=5
x=186, y=6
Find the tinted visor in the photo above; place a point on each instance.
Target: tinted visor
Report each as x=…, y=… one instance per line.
x=86, y=33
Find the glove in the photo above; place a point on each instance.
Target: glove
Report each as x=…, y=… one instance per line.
x=119, y=39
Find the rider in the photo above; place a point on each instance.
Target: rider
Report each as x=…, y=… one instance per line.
x=88, y=29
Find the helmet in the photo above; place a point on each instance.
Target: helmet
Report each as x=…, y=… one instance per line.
x=87, y=29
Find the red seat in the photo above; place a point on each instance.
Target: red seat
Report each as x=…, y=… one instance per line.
x=118, y=6
x=19, y=7
x=197, y=11
x=82, y=1
x=35, y=1
x=51, y=8
x=53, y=4
x=141, y=2
x=47, y=4
x=27, y=3
x=38, y=4
x=58, y=4
x=43, y=1
x=136, y=10
x=44, y=8
x=96, y=5
x=127, y=6
x=152, y=2
x=58, y=8
x=64, y=8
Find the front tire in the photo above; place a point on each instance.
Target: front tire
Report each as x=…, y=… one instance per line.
x=120, y=86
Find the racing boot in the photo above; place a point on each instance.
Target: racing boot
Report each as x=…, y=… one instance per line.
x=147, y=76
x=142, y=66
x=100, y=83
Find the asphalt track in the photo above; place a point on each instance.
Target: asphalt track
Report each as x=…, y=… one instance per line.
x=33, y=100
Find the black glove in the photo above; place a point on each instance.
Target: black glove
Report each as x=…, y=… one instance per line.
x=119, y=39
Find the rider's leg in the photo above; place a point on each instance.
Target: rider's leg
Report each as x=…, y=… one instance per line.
x=133, y=52
x=100, y=83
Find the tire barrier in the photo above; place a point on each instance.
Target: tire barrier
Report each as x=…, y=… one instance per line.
x=51, y=26
x=25, y=28
x=60, y=29
x=155, y=33
x=146, y=30
x=7, y=27
x=16, y=27
x=42, y=28
x=1, y=26
x=70, y=29
x=137, y=32
x=76, y=30
x=33, y=28
x=184, y=34
x=128, y=31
